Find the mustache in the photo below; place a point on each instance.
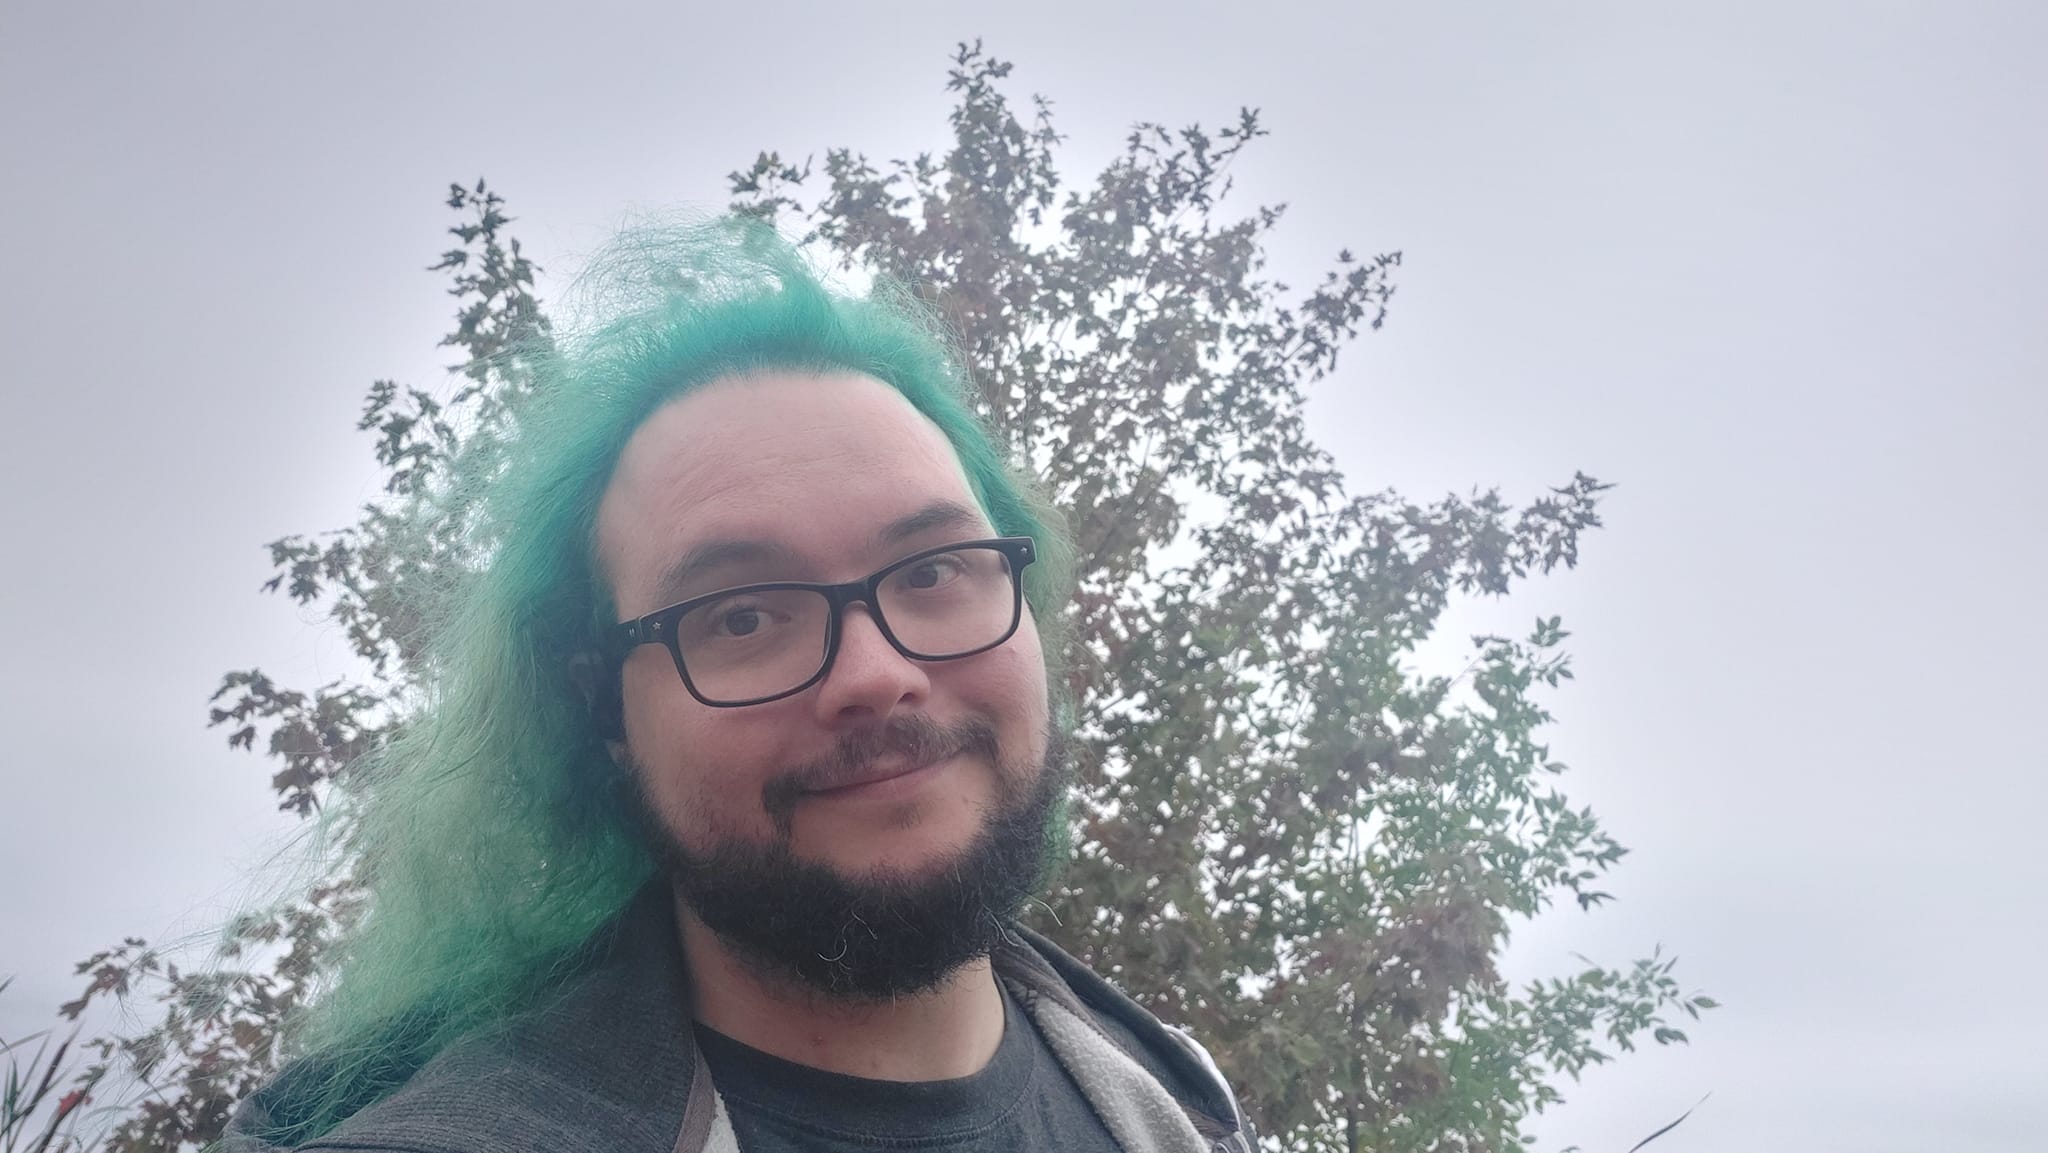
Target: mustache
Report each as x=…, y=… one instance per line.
x=915, y=739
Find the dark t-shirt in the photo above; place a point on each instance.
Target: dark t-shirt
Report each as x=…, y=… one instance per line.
x=1021, y=1102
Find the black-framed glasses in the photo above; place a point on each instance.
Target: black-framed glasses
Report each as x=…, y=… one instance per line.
x=757, y=643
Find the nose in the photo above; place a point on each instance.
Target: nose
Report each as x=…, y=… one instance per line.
x=869, y=680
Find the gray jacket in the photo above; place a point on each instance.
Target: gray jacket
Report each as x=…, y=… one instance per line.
x=610, y=1067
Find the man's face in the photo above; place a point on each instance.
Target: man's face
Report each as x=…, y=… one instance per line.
x=826, y=479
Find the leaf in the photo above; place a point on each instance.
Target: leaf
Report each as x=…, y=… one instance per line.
x=1292, y=838
x=1669, y=1127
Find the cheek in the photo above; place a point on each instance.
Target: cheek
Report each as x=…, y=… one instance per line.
x=701, y=770
x=1012, y=685
x=1029, y=661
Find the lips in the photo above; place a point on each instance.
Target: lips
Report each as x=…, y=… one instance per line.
x=884, y=770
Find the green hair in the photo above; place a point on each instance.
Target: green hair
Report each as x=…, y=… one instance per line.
x=493, y=834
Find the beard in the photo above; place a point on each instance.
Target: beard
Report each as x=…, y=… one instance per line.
x=883, y=935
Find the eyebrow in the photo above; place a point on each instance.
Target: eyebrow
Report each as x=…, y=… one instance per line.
x=722, y=554
x=936, y=515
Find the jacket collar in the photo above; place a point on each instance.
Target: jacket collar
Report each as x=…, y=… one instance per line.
x=610, y=1062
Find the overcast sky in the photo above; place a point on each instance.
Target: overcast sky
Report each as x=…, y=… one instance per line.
x=1776, y=269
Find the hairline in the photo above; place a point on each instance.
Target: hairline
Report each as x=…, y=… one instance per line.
x=604, y=581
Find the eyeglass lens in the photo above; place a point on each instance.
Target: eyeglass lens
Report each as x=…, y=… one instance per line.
x=760, y=642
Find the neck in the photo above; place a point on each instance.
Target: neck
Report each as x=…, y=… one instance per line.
x=951, y=1031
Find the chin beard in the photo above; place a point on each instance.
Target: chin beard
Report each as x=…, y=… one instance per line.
x=878, y=937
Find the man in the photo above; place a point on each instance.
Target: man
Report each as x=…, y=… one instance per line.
x=742, y=752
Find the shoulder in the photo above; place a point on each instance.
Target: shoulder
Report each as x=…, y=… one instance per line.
x=604, y=1065
x=496, y=1095
x=1170, y=1055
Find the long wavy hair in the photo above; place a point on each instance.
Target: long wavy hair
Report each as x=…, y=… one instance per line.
x=493, y=833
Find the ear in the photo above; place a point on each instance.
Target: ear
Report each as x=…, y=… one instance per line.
x=598, y=680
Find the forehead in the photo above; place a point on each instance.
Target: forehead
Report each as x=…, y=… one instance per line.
x=814, y=467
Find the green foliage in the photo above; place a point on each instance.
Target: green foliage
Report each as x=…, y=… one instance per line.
x=1288, y=843
x=1286, y=840
x=34, y=1116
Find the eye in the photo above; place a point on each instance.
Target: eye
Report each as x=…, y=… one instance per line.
x=739, y=622
x=932, y=572
x=736, y=619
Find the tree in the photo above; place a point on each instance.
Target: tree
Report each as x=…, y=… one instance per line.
x=1284, y=840
x=218, y=1037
